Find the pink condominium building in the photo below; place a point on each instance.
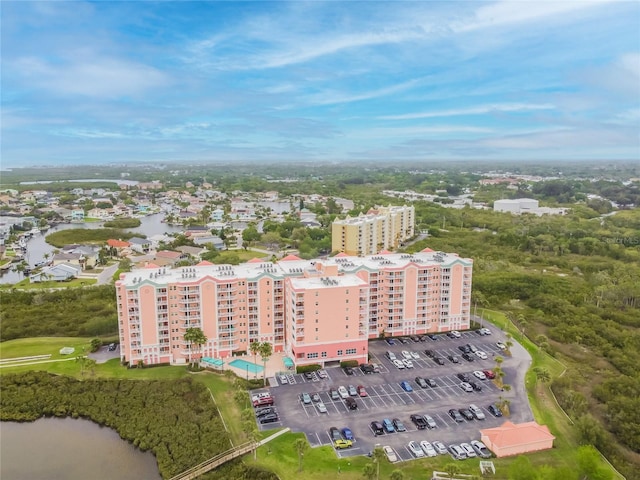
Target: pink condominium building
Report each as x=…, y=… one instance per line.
x=314, y=311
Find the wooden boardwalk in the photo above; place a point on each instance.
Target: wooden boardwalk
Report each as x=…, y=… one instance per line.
x=235, y=452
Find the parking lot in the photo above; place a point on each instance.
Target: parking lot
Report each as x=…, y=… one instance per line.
x=387, y=399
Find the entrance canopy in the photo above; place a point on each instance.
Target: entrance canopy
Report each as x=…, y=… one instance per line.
x=288, y=362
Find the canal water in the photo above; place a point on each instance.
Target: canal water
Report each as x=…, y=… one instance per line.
x=69, y=449
x=37, y=247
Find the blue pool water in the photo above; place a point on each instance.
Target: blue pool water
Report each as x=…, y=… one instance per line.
x=244, y=365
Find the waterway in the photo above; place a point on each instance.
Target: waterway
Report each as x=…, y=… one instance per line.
x=37, y=247
x=69, y=449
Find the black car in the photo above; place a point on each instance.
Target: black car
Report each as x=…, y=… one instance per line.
x=367, y=368
x=468, y=357
x=419, y=421
x=455, y=414
x=348, y=370
x=454, y=359
x=438, y=360
x=422, y=383
x=415, y=338
x=429, y=353
x=351, y=403
x=308, y=375
x=450, y=335
x=377, y=429
x=463, y=376
x=495, y=411
x=476, y=386
x=335, y=434
x=466, y=414
x=464, y=348
x=271, y=418
x=422, y=338
x=432, y=336
x=261, y=412
x=112, y=347
x=404, y=340
x=399, y=425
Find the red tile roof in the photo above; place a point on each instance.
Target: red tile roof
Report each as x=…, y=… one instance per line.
x=289, y=258
x=384, y=252
x=341, y=254
x=509, y=434
x=255, y=260
x=204, y=263
x=168, y=254
x=428, y=250
x=117, y=243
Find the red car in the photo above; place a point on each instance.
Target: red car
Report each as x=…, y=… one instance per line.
x=489, y=373
x=361, y=391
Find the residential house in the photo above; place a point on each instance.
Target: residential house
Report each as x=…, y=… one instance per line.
x=58, y=273
x=193, y=252
x=214, y=240
x=140, y=245
x=77, y=216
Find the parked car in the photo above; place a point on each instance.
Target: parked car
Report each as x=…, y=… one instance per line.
x=399, y=426
x=481, y=449
x=362, y=391
x=438, y=360
x=263, y=402
x=455, y=415
x=428, y=449
x=481, y=355
x=322, y=408
x=440, y=447
x=271, y=418
x=351, y=403
x=419, y=421
x=466, y=387
x=415, y=338
x=353, y=391
x=335, y=434
x=390, y=341
x=472, y=348
x=404, y=340
x=422, y=383
x=468, y=449
x=333, y=393
x=466, y=414
x=261, y=412
x=429, y=353
x=348, y=370
x=463, y=376
x=464, y=348
x=376, y=428
x=283, y=379
x=415, y=449
x=495, y=411
x=388, y=426
x=415, y=355
x=486, y=331
x=406, y=386
x=456, y=452
x=390, y=355
x=453, y=359
x=344, y=393
x=406, y=354
x=475, y=385
x=390, y=453
x=305, y=398
x=316, y=398
x=308, y=375
x=340, y=444
x=456, y=334
x=322, y=374
x=398, y=364
x=407, y=363
x=112, y=347
x=431, y=423
x=431, y=382
x=479, y=375
x=489, y=374
x=367, y=368
x=501, y=346
x=347, y=433
x=467, y=357
x=479, y=414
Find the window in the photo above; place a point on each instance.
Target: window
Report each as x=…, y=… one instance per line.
x=323, y=354
x=351, y=351
x=312, y=355
x=339, y=353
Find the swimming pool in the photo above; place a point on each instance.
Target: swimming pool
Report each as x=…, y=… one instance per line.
x=247, y=366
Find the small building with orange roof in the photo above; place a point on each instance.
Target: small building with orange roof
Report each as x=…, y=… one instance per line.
x=515, y=439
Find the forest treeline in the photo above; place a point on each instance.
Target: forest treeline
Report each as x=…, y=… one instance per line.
x=174, y=419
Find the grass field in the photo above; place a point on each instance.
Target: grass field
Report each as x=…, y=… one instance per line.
x=27, y=285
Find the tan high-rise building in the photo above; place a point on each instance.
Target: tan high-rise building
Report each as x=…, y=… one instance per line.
x=384, y=228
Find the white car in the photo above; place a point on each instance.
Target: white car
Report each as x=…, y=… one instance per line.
x=480, y=375
x=415, y=355
x=343, y=392
x=431, y=423
x=322, y=374
x=501, y=346
x=398, y=364
x=466, y=387
x=468, y=449
x=283, y=379
x=440, y=447
x=428, y=449
x=415, y=449
x=481, y=355
x=485, y=331
x=479, y=414
x=391, y=455
x=456, y=333
x=321, y=407
x=407, y=363
x=406, y=354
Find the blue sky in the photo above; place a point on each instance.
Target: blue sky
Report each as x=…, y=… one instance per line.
x=100, y=82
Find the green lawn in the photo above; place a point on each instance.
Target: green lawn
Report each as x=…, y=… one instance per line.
x=27, y=285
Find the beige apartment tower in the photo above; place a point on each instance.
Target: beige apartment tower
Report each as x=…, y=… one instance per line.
x=384, y=228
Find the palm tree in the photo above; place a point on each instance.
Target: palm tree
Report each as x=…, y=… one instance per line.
x=196, y=336
x=369, y=471
x=301, y=446
x=266, y=350
x=542, y=374
x=378, y=455
x=397, y=475
x=254, y=347
x=250, y=430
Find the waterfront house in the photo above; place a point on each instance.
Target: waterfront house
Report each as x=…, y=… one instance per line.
x=57, y=273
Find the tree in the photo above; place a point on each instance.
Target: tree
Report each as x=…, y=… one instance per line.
x=542, y=375
x=451, y=469
x=251, y=432
x=369, y=471
x=96, y=343
x=521, y=469
x=378, y=455
x=196, y=336
x=254, y=347
x=82, y=360
x=397, y=475
x=266, y=350
x=301, y=446
x=588, y=459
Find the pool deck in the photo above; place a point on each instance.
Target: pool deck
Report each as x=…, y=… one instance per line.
x=275, y=365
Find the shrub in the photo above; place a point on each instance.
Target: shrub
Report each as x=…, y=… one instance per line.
x=308, y=368
x=349, y=363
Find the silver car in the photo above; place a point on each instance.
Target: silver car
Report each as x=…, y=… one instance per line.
x=456, y=452
x=440, y=447
x=468, y=450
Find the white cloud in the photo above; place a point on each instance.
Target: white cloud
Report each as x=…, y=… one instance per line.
x=479, y=110
x=331, y=98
